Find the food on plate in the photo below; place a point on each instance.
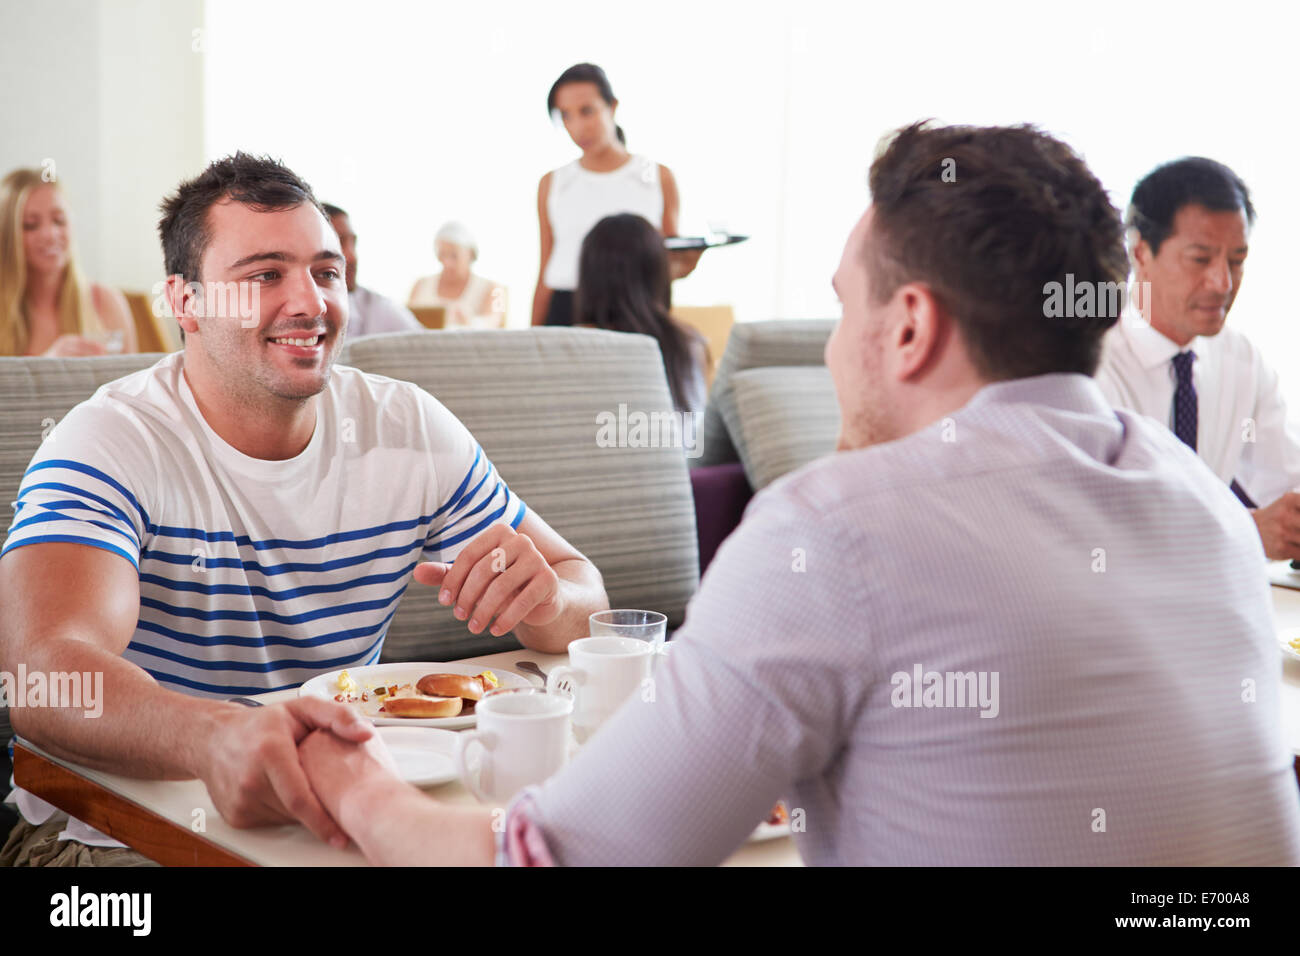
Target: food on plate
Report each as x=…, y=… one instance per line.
x=347, y=687
x=778, y=815
x=406, y=701
x=469, y=687
x=421, y=706
x=432, y=696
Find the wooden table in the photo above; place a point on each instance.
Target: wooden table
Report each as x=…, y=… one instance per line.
x=162, y=818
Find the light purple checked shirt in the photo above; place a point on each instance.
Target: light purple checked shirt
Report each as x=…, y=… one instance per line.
x=1085, y=556
x=370, y=313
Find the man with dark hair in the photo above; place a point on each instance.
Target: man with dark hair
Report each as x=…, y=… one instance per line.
x=368, y=312
x=939, y=644
x=1173, y=358
x=245, y=515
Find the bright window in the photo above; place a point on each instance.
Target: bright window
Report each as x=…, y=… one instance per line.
x=411, y=114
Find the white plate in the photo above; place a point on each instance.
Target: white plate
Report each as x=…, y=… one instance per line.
x=425, y=756
x=1284, y=639
x=326, y=685
x=769, y=831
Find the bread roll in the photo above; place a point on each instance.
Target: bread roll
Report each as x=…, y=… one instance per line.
x=421, y=707
x=451, y=685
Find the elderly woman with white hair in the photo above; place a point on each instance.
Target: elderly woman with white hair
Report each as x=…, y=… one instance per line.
x=471, y=301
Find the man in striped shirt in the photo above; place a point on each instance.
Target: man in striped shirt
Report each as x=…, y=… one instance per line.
x=1003, y=625
x=244, y=515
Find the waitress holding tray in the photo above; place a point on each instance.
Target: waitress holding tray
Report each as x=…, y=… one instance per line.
x=605, y=180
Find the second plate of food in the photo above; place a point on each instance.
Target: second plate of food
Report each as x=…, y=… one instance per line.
x=1289, y=642
x=359, y=689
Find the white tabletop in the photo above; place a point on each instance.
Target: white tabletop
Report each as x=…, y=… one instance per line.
x=178, y=800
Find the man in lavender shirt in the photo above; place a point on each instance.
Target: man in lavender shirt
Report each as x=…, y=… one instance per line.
x=1003, y=624
x=369, y=312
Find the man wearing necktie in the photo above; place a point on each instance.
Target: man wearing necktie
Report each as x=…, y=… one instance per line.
x=1189, y=222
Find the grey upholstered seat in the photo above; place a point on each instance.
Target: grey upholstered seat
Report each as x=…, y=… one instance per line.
x=755, y=345
x=34, y=394
x=532, y=399
x=781, y=418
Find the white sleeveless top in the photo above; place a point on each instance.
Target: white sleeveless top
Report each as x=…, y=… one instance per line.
x=579, y=198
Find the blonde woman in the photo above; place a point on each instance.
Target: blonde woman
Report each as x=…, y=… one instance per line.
x=46, y=306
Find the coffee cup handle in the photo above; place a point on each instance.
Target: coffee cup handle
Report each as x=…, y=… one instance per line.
x=560, y=674
x=464, y=741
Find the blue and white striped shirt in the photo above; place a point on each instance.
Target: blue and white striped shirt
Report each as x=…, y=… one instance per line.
x=256, y=575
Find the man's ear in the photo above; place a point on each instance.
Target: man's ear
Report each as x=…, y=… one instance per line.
x=185, y=300
x=1142, y=255
x=922, y=330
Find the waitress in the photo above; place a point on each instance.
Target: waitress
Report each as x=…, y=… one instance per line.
x=604, y=181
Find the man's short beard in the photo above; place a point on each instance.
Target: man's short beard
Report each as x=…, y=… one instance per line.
x=872, y=420
x=870, y=424
x=273, y=390
x=251, y=391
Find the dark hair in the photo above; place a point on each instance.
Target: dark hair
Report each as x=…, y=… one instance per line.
x=623, y=285
x=585, y=73
x=1192, y=180
x=990, y=218
x=258, y=181
x=332, y=210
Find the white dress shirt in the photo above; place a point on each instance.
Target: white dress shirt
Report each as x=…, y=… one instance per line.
x=1242, y=427
x=370, y=313
x=1083, y=555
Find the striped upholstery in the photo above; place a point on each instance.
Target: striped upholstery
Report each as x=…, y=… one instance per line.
x=782, y=418
x=35, y=393
x=531, y=397
x=754, y=345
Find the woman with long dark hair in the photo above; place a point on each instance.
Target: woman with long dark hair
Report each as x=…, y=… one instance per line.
x=623, y=285
x=606, y=179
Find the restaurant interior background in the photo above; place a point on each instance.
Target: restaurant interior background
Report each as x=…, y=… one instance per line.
x=408, y=114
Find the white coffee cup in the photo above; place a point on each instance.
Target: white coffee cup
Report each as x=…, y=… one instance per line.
x=605, y=672
x=524, y=735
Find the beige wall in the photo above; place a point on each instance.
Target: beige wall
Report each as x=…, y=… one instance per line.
x=112, y=92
